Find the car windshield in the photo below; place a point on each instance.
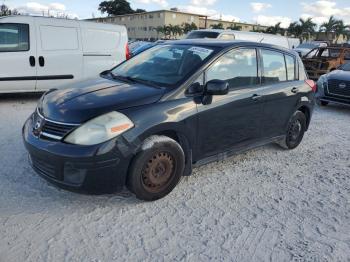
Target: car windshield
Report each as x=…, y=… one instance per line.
x=202, y=34
x=163, y=65
x=345, y=67
x=307, y=45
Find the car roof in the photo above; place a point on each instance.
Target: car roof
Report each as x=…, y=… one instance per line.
x=225, y=44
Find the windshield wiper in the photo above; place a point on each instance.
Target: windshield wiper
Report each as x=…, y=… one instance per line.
x=130, y=79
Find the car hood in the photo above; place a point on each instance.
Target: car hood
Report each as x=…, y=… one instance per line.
x=88, y=99
x=339, y=75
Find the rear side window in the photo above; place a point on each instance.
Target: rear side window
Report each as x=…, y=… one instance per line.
x=238, y=67
x=290, y=62
x=14, y=37
x=274, y=67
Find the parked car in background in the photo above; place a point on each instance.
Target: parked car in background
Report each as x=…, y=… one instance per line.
x=305, y=48
x=39, y=53
x=241, y=35
x=145, y=46
x=334, y=87
x=322, y=60
x=180, y=104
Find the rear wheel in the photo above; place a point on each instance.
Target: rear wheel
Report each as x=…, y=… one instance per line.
x=322, y=103
x=295, y=131
x=157, y=169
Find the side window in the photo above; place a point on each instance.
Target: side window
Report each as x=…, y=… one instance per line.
x=227, y=37
x=274, y=67
x=14, y=37
x=290, y=62
x=238, y=67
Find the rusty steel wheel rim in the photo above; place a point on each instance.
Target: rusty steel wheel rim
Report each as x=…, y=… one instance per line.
x=158, y=172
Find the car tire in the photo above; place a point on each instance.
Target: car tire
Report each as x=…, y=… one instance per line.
x=295, y=131
x=322, y=103
x=156, y=169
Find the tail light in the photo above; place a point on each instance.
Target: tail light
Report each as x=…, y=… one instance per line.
x=127, y=52
x=312, y=84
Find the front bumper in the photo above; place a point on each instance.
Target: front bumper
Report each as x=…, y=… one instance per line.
x=323, y=95
x=89, y=169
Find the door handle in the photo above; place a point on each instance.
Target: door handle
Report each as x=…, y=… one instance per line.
x=256, y=97
x=41, y=61
x=295, y=90
x=32, y=61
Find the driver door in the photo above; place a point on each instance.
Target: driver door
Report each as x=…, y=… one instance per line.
x=231, y=120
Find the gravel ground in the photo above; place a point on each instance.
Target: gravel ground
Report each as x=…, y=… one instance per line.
x=265, y=205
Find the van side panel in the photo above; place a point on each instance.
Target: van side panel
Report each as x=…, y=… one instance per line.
x=17, y=54
x=104, y=47
x=60, y=54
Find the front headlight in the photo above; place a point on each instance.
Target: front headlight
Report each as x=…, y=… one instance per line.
x=100, y=129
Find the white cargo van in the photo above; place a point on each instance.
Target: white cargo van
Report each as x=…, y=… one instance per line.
x=241, y=35
x=38, y=53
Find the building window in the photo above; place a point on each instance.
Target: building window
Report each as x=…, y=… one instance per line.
x=151, y=16
x=192, y=18
x=123, y=18
x=174, y=16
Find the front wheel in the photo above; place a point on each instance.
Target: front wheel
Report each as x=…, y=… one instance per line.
x=156, y=169
x=295, y=131
x=322, y=103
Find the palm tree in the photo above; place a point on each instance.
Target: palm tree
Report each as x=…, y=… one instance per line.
x=307, y=27
x=186, y=27
x=217, y=26
x=159, y=30
x=235, y=27
x=276, y=29
x=295, y=30
x=341, y=29
x=329, y=27
x=177, y=30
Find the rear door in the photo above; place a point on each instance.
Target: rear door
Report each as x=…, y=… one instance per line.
x=281, y=90
x=60, y=54
x=17, y=55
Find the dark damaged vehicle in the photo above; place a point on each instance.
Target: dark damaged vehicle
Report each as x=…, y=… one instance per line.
x=334, y=87
x=180, y=104
x=323, y=60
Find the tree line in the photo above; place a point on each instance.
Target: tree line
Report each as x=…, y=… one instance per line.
x=304, y=29
x=6, y=11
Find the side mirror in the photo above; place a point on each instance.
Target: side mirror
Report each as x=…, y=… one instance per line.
x=216, y=87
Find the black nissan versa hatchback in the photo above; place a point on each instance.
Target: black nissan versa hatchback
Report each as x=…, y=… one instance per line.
x=180, y=104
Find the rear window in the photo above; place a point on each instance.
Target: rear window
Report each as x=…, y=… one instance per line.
x=14, y=37
x=199, y=34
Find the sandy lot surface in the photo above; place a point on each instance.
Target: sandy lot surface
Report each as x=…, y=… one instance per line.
x=265, y=205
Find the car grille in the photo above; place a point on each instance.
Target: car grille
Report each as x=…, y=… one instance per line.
x=44, y=167
x=339, y=88
x=48, y=129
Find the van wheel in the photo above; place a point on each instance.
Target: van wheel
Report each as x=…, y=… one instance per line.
x=156, y=169
x=295, y=131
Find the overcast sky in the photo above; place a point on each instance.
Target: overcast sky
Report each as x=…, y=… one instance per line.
x=265, y=12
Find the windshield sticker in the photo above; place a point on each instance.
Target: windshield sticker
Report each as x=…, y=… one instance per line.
x=201, y=50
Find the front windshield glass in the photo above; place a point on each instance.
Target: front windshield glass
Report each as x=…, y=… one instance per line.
x=345, y=67
x=164, y=65
x=309, y=46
